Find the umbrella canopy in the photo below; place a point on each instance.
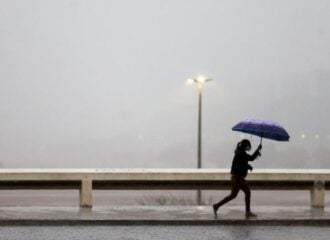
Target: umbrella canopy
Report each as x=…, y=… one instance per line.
x=263, y=129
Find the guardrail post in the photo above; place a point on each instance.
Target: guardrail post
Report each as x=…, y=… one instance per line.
x=318, y=194
x=85, y=193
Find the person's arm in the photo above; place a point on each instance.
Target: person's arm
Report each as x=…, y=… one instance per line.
x=255, y=154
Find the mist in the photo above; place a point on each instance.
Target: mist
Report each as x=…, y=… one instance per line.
x=89, y=84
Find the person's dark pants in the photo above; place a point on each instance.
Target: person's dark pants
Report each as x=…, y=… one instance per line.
x=237, y=183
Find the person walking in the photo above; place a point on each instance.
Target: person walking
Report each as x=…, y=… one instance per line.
x=239, y=171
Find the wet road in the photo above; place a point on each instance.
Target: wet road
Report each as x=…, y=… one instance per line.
x=164, y=232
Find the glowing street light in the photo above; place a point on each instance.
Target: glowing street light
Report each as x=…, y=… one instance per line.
x=200, y=81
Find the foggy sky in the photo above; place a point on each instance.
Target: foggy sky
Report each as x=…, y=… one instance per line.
x=102, y=83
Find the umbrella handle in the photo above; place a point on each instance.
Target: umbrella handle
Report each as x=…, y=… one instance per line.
x=260, y=140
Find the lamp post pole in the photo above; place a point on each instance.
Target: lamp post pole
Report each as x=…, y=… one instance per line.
x=200, y=80
x=199, y=141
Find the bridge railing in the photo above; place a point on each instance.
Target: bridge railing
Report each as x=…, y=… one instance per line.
x=314, y=180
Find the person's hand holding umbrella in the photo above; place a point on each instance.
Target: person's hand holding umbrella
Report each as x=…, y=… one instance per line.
x=259, y=150
x=259, y=147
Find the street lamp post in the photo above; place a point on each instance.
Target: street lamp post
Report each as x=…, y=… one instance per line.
x=199, y=152
x=200, y=81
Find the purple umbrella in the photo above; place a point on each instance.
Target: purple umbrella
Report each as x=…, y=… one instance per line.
x=263, y=129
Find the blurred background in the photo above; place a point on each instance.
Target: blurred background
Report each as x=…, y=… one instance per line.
x=102, y=84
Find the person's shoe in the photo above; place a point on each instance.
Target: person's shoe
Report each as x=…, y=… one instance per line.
x=250, y=215
x=215, y=209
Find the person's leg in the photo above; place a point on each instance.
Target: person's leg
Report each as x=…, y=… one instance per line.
x=245, y=188
x=234, y=191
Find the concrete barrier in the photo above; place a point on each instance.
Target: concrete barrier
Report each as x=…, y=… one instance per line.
x=314, y=180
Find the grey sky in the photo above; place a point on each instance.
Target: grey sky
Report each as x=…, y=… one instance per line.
x=102, y=83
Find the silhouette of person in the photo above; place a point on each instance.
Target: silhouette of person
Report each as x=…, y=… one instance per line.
x=239, y=171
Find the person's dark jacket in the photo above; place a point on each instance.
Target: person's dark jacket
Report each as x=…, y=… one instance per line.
x=240, y=163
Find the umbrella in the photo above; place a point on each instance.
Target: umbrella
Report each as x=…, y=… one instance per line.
x=262, y=128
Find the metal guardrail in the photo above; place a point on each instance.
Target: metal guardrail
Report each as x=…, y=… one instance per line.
x=315, y=180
